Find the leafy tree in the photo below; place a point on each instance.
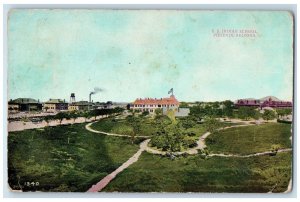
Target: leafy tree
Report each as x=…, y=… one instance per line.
x=94, y=113
x=158, y=112
x=211, y=125
x=73, y=116
x=145, y=113
x=86, y=115
x=256, y=115
x=216, y=105
x=228, y=108
x=246, y=113
x=187, y=122
x=198, y=112
x=283, y=112
x=171, y=115
x=47, y=119
x=135, y=123
x=183, y=105
x=268, y=115
x=172, y=138
x=118, y=110
x=60, y=116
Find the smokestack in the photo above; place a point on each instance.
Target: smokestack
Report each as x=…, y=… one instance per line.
x=90, y=97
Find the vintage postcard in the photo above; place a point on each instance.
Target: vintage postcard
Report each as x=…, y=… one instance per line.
x=150, y=101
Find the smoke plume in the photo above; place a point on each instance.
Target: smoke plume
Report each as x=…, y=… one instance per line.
x=97, y=90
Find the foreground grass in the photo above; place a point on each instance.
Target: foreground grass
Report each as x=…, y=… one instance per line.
x=63, y=158
x=250, y=139
x=153, y=173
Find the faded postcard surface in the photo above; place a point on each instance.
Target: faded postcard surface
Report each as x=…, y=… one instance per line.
x=150, y=101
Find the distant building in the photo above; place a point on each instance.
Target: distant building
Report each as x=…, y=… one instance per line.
x=24, y=104
x=103, y=105
x=179, y=112
x=80, y=106
x=53, y=105
x=269, y=101
x=150, y=104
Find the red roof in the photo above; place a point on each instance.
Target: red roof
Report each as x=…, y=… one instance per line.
x=161, y=101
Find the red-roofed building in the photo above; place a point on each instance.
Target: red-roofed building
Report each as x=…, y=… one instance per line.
x=150, y=104
x=269, y=101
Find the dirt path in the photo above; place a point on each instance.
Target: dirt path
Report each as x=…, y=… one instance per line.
x=200, y=143
x=88, y=127
x=144, y=147
x=21, y=125
x=250, y=155
x=102, y=183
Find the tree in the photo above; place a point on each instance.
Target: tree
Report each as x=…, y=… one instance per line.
x=183, y=105
x=47, y=119
x=172, y=138
x=118, y=110
x=95, y=113
x=256, y=115
x=145, y=113
x=246, y=113
x=60, y=116
x=228, y=108
x=283, y=112
x=86, y=115
x=171, y=115
x=187, y=122
x=73, y=116
x=158, y=112
x=198, y=112
x=135, y=123
x=211, y=125
x=268, y=115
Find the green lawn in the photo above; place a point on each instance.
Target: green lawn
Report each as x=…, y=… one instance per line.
x=148, y=127
x=46, y=157
x=153, y=173
x=121, y=126
x=250, y=139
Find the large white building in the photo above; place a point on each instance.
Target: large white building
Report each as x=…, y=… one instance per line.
x=150, y=104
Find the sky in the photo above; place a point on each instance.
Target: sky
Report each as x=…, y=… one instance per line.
x=137, y=54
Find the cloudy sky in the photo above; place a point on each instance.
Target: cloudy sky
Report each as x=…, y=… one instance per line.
x=133, y=54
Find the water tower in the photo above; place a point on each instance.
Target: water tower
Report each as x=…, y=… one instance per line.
x=72, y=98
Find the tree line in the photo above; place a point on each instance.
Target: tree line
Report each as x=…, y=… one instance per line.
x=86, y=114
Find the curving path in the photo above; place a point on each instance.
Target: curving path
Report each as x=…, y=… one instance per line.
x=144, y=147
x=102, y=183
x=250, y=155
x=200, y=143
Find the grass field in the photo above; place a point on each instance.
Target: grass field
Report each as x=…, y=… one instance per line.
x=250, y=139
x=118, y=126
x=148, y=127
x=153, y=173
x=64, y=158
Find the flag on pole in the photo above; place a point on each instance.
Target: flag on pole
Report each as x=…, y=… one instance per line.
x=170, y=91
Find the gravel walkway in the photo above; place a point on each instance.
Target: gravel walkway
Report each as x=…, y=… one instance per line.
x=102, y=183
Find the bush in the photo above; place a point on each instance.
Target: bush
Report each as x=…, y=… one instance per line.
x=284, y=121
